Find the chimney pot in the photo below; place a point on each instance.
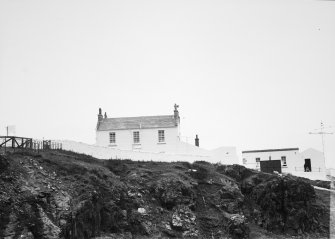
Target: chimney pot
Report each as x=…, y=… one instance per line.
x=176, y=114
x=100, y=117
x=196, y=141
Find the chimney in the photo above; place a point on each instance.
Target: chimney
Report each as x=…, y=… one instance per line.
x=196, y=141
x=100, y=117
x=105, y=115
x=176, y=114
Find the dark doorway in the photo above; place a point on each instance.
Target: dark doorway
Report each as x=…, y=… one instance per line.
x=307, y=165
x=271, y=166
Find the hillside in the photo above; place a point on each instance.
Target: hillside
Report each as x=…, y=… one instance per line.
x=60, y=194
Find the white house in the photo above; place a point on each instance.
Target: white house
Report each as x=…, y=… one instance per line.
x=159, y=133
x=149, y=138
x=309, y=163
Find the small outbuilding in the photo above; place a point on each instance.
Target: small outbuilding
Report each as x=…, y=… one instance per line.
x=309, y=163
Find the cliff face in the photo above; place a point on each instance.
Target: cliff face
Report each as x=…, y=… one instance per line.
x=67, y=195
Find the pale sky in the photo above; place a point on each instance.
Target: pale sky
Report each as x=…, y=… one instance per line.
x=250, y=74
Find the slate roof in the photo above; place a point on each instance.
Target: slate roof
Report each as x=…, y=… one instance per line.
x=141, y=122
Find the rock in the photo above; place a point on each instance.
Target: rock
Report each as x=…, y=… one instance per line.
x=146, y=225
x=282, y=203
x=183, y=219
x=172, y=191
x=238, y=227
x=3, y=163
x=124, y=213
x=141, y=210
x=62, y=222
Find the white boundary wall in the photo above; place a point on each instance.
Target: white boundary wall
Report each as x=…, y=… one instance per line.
x=186, y=153
x=101, y=152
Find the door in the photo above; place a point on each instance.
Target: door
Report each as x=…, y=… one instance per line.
x=307, y=165
x=271, y=166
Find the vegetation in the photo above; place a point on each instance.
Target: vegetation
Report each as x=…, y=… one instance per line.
x=61, y=194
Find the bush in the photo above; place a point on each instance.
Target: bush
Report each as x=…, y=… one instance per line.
x=201, y=172
x=116, y=166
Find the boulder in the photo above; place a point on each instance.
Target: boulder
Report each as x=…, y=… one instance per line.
x=172, y=191
x=183, y=219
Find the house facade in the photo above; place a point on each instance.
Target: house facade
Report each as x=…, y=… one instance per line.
x=309, y=163
x=145, y=133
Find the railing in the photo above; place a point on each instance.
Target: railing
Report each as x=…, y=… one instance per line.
x=15, y=142
x=314, y=169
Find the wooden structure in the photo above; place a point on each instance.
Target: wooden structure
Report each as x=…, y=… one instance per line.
x=27, y=143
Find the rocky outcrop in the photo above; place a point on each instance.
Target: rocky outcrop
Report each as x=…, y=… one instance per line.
x=183, y=219
x=173, y=191
x=278, y=203
x=66, y=195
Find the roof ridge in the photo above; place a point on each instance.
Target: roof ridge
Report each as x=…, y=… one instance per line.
x=133, y=117
x=269, y=150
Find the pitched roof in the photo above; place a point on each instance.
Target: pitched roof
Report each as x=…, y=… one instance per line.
x=141, y=122
x=269, y=150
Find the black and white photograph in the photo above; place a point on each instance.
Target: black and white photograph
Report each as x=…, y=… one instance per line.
x=139, y=119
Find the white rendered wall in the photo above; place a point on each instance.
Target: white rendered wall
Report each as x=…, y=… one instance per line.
x=294, y=160
x=317, y=163
x=191, y=153
x=103, y=152
x=148, y=140
x=292, y=157
x=317, y=159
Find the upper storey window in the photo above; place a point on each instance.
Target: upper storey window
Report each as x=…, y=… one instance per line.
x=161, y=136
x=136, y=137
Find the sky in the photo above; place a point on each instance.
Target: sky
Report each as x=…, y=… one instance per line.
x=250, y=74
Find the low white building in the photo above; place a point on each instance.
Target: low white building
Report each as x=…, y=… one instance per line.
x=309, y=163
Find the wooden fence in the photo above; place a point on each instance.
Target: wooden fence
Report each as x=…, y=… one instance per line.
x=15, y=142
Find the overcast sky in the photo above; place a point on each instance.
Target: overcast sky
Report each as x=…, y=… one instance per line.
x=250, y=74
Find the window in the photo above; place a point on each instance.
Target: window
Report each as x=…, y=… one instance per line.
x=283, y=160
x=136, y=137
x=161, y=136
x=269, y=157
x=112, y=137
x=258, y=162
x=244, y=160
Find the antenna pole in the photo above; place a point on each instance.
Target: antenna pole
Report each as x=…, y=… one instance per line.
x=323, y=141
x=322, y=133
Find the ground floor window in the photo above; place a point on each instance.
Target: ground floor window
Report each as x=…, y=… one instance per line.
x=283, y=160
x=112, y=139
x=258, y=160
x=161, y=136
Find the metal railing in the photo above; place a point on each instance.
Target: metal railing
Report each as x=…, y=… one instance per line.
x=303, y=169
